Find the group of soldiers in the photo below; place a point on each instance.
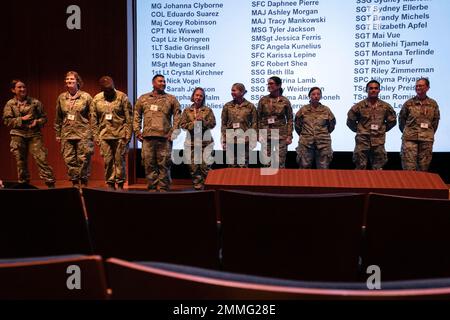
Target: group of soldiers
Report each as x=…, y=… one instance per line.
x=108, y=120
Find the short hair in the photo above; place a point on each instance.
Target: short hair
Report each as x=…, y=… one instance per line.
x=427, y=81
x=105, y=80
x=14, y=82
x=312, y=89
x=204, y=95
x=77, y=77
x=157, y=76
x=372, y=81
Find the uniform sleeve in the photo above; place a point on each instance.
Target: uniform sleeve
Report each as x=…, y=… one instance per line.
x=41, y=116
x=185, y=122
x=436, y=118
x=210, y=120
x=59, y=118
x=259, y=112
x=9, y=119
x=176, y=120
x=391, y=118
x=352, y=118
x=137, y=119
x=331, y=121
x=254, y=118
x=224, y=121
x=289, y=119
x=94, y=120
x=128, y=118
x=298, y=122
x=402, y=117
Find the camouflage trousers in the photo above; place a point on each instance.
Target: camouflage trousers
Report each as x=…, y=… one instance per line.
x=366, y=153
x=156, y=158
x=199, y=165
x=321, y=153
x=77, y=155
x=20, y=147
x=416, y=155
x=272, y=151
x=237, y=155
x=114, y=153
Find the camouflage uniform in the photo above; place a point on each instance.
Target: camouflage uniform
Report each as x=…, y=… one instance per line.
x=238, y=117
x=24, y=138
x=370, y=124
x=112, y=130
x=157, y=111
x=418, y=120
x=73, y=125
x=198, y=130
x=275, y=113
x=314, y=125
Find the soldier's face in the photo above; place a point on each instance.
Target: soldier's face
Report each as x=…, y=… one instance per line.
x=272, y=86
x=159, y=84
x=373, y=90
x=71, y=82
x=315, y=96
x=421, y=87
x=198, y=97
x=20, y=90
x=236, y=93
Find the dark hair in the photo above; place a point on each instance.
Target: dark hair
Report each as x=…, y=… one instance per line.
x=77, y=77
x=278, y=81
x=14, y=82
x=157, y=76
x=105, y=80
x=312, y=89
x=427, y=81
x=372, y=81
x=204, y=95
x=240, y=87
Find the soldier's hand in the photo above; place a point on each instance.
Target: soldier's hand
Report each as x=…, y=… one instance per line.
x=27, y=117
x=139, y=137
x=288, y=140
x=33, y=124
x=58, y=139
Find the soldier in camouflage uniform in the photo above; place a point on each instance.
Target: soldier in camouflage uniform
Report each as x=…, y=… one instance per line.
x=74, y=129
x=26, y=117
x=238, y=114
x=275, y=113
x=112, y=130
x=157, y=109
x=198, y=120
x=314, y=123
x=371, y=118
x=418, y=120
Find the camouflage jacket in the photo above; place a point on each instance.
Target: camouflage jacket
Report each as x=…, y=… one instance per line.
x=157, y=112
x=74, y=116
x=314, y=125
x=275, y=113
x=419, y=119
x=236, y=116
x=112, y=119
x=14, y=111
x=189, y=123
x=371, y=123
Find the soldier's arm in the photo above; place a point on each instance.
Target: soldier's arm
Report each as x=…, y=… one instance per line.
x=128, y=118
x=298, y=122
x=9, y=119
x=289, y=119
x=254, y=118
x=331, y=122
x=59, y=118
x=185, y=122
x=94, y=120
x=41, y=116
x=402, y=118
x=391, y=118
x=224, y=122
x=210, y=120
x=436, y=118
x=352, y=119
x=176, y=109
x=137, y=119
